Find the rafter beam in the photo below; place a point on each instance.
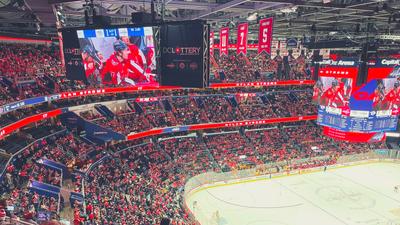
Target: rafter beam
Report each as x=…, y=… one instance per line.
x=359, y=7
x=212, y=10
x=257, y=7
x=172, y=4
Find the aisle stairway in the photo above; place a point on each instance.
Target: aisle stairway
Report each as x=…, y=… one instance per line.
x=104, y=110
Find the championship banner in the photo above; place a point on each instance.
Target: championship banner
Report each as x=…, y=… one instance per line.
x=265, y=35
x=212, y=44
x=242, y=38
x=223, y=41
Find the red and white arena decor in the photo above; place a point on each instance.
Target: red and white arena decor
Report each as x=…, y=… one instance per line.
x=353, y=136
x=212, y=44
x=223, y=41
x=242, y=38
x=32, y=119
x=265, y=35
x=151, y=99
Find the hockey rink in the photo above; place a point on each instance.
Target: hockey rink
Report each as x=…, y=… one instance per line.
x=356, y=195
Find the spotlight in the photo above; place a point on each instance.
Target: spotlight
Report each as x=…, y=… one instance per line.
x=289, y=10
x=252, y=17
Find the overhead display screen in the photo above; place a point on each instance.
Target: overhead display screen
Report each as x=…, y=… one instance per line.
x=372, y=107
x=113, y=56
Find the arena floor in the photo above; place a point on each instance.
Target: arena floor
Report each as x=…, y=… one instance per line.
x=356, y=195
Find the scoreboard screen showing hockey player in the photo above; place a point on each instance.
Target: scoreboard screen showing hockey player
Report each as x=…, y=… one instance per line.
x=371, y=107
x=123, y=56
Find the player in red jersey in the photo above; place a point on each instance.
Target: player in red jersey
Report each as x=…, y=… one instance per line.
x=393, y=97
x=149, y=57
x=396, y=102
x=88, y=62
x=334, y=96
x=116, y=67
x=379, y=95
x=345, y=90
x=138, y=69
x=317, y=92
x=135, y=53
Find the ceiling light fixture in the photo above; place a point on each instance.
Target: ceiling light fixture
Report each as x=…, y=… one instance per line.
x=252, y=17
x=290, y=9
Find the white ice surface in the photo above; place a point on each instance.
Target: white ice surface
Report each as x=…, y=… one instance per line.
x=355, y=195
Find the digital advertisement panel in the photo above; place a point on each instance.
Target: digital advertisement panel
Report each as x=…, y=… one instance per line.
x=72, y=55
x=184, y=54
x=371, y=107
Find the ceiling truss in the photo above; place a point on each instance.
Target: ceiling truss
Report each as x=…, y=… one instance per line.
x=337, y=15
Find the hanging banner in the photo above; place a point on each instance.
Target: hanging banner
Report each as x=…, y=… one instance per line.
x=212, y=44
x=265, y=35
x=223, y=41
x=242, y=38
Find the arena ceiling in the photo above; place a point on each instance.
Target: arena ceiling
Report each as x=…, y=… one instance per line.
x=336, y=18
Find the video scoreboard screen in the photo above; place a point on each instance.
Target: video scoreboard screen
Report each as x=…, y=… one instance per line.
x=122, y=56
x=128, y=55
x=371, y=107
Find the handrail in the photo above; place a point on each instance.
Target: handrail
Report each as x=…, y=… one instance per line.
x=45, y=189
x=18, y=221
x=28, y=120
x=48, y=184
x=29, y=145
x=94, y=165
